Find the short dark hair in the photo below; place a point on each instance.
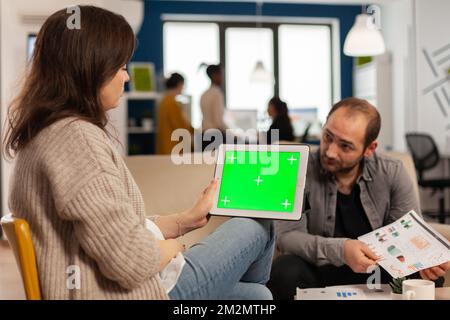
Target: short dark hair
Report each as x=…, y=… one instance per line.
x=213, y=69
x=280, y=106
x=368, y=110
x=174, y=80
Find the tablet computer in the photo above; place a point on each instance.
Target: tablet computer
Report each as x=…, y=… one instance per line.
x=260, y=181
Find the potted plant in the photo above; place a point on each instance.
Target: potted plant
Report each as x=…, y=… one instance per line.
x=397, y=288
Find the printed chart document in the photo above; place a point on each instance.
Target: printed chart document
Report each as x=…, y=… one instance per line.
x=352, y=292
x=407, y=246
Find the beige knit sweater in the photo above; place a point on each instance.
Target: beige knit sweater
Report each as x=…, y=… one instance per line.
x=84, y=210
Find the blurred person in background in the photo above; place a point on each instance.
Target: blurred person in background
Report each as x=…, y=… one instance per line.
x=171, y=116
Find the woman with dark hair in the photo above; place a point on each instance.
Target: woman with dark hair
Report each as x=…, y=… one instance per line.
x=85, y=211
x=170, y=115
x=279, y=113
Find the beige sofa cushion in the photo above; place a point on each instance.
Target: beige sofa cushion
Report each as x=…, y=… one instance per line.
x=169, y=188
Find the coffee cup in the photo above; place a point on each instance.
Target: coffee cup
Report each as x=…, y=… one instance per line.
x=416, y=289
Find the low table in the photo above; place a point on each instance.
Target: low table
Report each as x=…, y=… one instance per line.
x=384, y=293
x=443, y=293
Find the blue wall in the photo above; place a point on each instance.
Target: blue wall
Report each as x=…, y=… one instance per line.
x=150, y=37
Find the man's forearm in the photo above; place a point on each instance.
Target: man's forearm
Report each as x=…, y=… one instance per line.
x=314, y=249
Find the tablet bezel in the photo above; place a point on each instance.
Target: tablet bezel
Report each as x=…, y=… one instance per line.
x=304, y=151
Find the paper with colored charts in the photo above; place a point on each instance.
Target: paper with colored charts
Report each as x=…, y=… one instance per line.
x=407, y=246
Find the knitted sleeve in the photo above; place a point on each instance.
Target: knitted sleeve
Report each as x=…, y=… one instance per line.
x=110, y=232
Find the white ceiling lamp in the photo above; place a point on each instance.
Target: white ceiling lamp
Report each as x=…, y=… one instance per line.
x=364, y=38
x=260, y=73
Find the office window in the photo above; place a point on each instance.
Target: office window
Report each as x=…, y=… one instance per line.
x=305, y=74
x=299, y=56
x=186, y=47
x=244, y=47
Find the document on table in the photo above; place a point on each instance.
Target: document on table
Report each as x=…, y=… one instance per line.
x=351, y=292
x=330, y=293
x=408, y=245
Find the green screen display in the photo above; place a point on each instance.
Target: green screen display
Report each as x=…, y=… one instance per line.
x=263, y=181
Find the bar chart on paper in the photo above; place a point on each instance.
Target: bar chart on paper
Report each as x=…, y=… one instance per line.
x=407, y=246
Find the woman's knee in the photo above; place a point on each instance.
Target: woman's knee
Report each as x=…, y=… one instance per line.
x=263, y=293
x=250, y=291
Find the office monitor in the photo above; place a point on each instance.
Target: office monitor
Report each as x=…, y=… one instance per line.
x=242, y=119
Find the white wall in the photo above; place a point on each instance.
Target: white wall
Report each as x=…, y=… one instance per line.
x=398, y=31
x=409, y=27
x=14, y=43
x=373, y=82
x=433, y=106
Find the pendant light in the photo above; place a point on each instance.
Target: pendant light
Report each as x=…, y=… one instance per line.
x=260, y=73
x=364, y=38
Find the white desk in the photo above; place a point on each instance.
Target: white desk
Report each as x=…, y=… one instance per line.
x=384, y=293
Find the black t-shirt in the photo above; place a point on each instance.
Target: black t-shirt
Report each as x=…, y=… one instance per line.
x=351, y=220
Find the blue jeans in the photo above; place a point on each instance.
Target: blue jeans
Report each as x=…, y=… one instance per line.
x=232, y=263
